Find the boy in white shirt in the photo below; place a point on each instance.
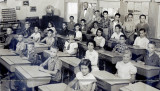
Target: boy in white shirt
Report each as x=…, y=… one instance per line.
x=141, y=41
x=125, y=69
x=36, y=35
x=71, y=45
x=78, y=32
x=116, y=35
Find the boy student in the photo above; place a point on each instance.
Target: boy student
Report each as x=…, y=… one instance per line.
x=78, y=32
x=92, y=55
x=116, y=35
x=53, y=65
x=10, y=42
x=105, y=24
x=116, y=21
x=97, y=16
x=49, y=40
x=144, y=25
x=125, y=69
x=129, y=29
x=71, y=45
x=141, y=41
x=71, y=23
x=31, y=55
x=27, y=31
x=121, y=47
x=64, y=31
x=84, y=27
x=150, y=58
x=36, y=35
x=21, y=46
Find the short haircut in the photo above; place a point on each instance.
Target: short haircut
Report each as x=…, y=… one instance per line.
x=152, y=42
x=96, y=11
x=50, y=30
x=71, y=17
x=123, y=36
x=77, y=24
x=83, y=20
x=10, y=28
x=143, y=29
x=142, y=15
x=87, y=63
x=118, y=14
x=127, y=51
x=105, y=12
x=91, y=41
x=72, y=33
x=27, y=22
x=119, y=26
x=99, y=29
x=64, y=23
x=130, y=14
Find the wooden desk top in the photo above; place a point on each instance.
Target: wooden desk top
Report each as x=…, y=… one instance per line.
x=6, y=52
x=71, y=60
x=139, y=86
x=108, y=53
x=41, y=45
x=109, y=78
x=53, y=87
x=10, y=62
x=60, y=54
x=31, y=72
x=146, y=67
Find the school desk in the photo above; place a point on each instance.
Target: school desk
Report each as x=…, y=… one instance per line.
x=31, y=76
x=108, y=81
x=53, y=87
x=70, y=62
x=10, y=62
x=39, y=47
x=111, y=43
x=139, y=86
x=146, y=70
x=6, y=52
x=47, y=53
x=136, y=50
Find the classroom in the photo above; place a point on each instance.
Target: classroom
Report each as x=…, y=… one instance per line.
x=79, y=45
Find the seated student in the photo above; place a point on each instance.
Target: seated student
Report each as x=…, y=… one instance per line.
x=92, y=55
x=21, y=46
x=71, y=45
x=84, y=27
x=116, y=35
x=10, y=40
x=121, y=47
x=125, y=69
x=141, y=41
x=27, y=30
x=52, y=27
x=115, y=22
x=64, y=31
x=78, y=32
x=36, y=35
x=31, y=55
x=150, y=58
x=94, y=28
x=53, y=65
x=84, y=80
x=71, y=23
x=49, y=40
x=99, y=39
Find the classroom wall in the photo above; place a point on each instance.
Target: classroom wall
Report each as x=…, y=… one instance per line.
x=40, y=5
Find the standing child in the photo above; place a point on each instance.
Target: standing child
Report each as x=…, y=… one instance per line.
x=53, y=65
x=84, y=80
x=78, y=32
x=125, y=69
x=99, y=39
x=116, y=35
x=92, y=55
x=141, y=41
x=49, y=39
x=71, y=45
x=36, y=35
x=121, y=47
x=71, y=23
x=27, y=30
x=21, y=46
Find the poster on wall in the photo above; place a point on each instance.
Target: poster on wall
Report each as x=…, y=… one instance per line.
x=33, y=9
x=25, y=3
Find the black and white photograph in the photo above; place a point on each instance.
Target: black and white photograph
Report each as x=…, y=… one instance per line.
x=80, y=45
